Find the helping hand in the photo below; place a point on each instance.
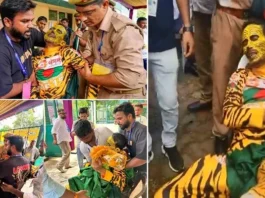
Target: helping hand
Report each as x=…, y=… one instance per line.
x=97, y=166
x=82, y=194
x=7, y=188
x=188, y=44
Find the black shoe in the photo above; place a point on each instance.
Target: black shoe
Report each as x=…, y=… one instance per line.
x=150, y=156
x=198, y=106
x=176, y=162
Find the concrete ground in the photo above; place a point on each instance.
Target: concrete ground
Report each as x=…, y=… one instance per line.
x=55, y=174
x=194, y=131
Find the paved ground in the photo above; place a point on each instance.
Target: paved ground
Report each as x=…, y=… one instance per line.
x=62, y=178
x=194, y=132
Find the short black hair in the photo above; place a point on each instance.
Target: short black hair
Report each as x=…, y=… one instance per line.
x=65, y=19
x=82, y=128
x=60, y=110
x=83, y=110
x=141, y=19
x=120, y=140
x=16, y=141
x=126, y=108
x=10, y=8
x=140, y=106
x=254, y=22
x=42, y=18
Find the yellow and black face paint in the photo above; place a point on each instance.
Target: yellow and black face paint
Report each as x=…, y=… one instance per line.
x=56, y=35
x=254, y=43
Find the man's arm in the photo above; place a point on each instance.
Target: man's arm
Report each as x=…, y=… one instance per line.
x=135, y=162
x=9, y=188
x=127, y=52
x=188, y=41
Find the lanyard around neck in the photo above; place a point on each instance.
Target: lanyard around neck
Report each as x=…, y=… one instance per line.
x=22, y=67
x=101, y=42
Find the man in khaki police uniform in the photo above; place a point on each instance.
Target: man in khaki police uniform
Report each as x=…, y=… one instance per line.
x=115, y=43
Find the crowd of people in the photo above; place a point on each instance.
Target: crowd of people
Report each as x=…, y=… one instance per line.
x=224, y=32
x=105, y=57
x=131, y=138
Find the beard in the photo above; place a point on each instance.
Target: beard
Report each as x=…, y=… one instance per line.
x=17, y=34
x=9, y=152
x=125, y=125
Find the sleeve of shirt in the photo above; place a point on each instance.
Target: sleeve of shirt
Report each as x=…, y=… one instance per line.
x=234, y=114
x=51, y=188
x=37, y=38
x=55, y=127
x=141, y=143
x=72, y=57
x=6, y=82
x=127, y=45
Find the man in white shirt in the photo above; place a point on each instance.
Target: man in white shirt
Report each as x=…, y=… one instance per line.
x=142, y=23
x=61, y=137
x=31, y=152
x=138, y=111
x=90, y=137
x=83, y=115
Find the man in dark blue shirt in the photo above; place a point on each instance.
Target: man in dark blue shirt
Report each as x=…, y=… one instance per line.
x=17, y=39
x=164, y=63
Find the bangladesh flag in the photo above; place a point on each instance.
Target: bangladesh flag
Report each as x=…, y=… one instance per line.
x=43, y=75
x=251, y=95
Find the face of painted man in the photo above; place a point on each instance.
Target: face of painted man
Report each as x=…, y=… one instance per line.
x=56, y=35
x=254, y=43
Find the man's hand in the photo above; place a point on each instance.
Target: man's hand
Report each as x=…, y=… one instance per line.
x=79, y=33
x=188, y=44
x=85, y=72
x=33, y=79
x=97, y=166
x=82, y=194
x=7, y=188
x=55, y=142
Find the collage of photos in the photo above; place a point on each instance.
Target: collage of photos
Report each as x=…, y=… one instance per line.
x=132, y=99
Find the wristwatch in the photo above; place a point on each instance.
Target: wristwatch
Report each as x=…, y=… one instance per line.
x=187, y=29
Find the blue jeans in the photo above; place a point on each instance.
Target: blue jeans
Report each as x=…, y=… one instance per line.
x=80, y=158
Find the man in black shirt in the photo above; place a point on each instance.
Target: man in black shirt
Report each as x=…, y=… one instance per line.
x=17, y=39
x=16, y=169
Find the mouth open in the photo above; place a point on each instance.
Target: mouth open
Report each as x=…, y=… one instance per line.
x=52, y=35
x=252, y=53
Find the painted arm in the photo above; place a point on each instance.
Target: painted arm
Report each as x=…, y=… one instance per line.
x=234, y=114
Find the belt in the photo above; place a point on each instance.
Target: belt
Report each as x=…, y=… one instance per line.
x=134, y=91
x=241, y=14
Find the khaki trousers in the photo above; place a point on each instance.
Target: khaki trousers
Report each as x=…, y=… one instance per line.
x=203, y=52
x=226, y=35
x=66, y=151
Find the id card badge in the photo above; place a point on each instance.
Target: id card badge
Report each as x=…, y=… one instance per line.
x=152, y=7
x=100, y=68
x=26, y=90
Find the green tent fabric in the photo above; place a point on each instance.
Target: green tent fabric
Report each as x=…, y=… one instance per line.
x=72, y=87
x=242, y=168
x=90, y=180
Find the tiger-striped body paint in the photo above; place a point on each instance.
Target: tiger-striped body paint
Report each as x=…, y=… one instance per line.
x=207, y=177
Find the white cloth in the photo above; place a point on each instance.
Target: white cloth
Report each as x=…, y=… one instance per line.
x=60, y=128
x=102, y=134
x=141, y=119
x=236, y=4
x=243, y=62
x=176, y=10
x=31, y=153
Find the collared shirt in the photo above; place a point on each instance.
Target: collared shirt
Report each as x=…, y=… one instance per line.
x=102, y=134
x=141, y=119
x=122, y=48
x=60, y=128
x=237, y=4
x=138, y=137
x=204, y=6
